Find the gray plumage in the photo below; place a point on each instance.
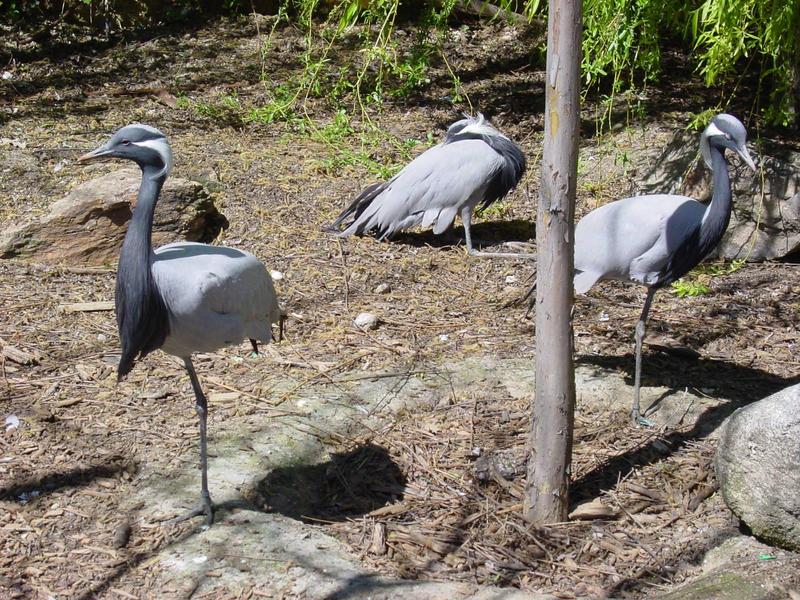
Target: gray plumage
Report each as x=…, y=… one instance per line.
x=183, y=297
x=654, y=240
x=473, y=167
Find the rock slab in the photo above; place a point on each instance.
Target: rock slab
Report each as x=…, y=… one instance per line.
x=758, y=467
x=87, y=226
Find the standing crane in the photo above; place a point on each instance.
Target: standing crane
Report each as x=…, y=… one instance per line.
x=183, y=297
x=654, y=240
x=474, y=165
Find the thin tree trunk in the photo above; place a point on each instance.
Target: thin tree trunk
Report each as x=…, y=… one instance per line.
x=550, y=439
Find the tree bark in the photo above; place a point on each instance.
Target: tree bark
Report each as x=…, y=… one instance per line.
x=550, y=439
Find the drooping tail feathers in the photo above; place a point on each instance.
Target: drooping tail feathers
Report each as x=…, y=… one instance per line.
x=357, y=207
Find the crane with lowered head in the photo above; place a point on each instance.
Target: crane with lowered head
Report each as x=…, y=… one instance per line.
x=475, y=165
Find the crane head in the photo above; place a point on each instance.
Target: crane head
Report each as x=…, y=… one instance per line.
x=477, y=125
x=144, y=145
x=725, y=131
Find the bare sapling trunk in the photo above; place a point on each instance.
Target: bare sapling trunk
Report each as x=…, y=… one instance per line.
x=550, y=439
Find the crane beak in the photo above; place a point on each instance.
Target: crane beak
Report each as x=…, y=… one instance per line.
x=746, y=157
x=100, y=152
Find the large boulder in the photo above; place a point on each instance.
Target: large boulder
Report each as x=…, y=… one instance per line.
x=758, y=467
x=765, y=223
x=87, y=226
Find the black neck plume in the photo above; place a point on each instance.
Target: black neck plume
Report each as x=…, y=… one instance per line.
x=142, y=318
x=708, y=232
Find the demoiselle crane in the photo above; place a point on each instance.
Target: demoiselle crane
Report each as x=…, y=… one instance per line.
x=474, y=166
x=183, y=297
x=655, y=239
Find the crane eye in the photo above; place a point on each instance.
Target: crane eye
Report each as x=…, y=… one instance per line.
x=727, y=136
x=126, y=142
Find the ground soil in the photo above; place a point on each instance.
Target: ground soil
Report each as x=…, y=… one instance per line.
x=74, y=460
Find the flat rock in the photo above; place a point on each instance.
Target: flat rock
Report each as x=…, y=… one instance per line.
x=267, y=478
x=723, y=573
x=758, y=467
x=87, y=226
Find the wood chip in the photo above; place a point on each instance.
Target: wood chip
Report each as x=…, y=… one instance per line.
x=378, y=544
x=87, y=306
x=593, y=510
x=21, y=357
x=391, y=509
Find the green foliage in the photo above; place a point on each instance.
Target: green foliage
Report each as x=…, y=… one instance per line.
x=621, y=43
x=731, y=39
x=699, y=121
x=765, y=31
x=683, y=288
x=496, y=209
x=697, y=282
x=350, y=148
x=719, y=269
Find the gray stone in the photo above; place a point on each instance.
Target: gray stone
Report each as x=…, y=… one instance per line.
x=740, y=568
x=763, y=225
x=504, y=463
x=366, y=321
x=87, y=226
x=724, y=585
x=758, y=467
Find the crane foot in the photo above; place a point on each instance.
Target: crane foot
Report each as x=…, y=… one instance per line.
x=205, y=508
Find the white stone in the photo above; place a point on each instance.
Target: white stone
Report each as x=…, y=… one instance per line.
x=366, y=321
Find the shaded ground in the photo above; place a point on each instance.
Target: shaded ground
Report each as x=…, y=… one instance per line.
x=68, y=473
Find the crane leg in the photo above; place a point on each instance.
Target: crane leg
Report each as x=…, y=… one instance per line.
x=201, y=405
x=637, y=381
x=466, y=218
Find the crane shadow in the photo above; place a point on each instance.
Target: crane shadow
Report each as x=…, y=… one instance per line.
x=737, y=384
x=489, y=233
x=349, y=484
x=39, y=487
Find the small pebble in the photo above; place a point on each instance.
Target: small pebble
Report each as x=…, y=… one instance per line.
x=12, y=422
x=366, y=321
x=122, y=534
x=382, y=288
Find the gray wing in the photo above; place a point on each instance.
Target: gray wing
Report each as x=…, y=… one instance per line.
x=429, y=191
x=216, y=296
x=632, y=239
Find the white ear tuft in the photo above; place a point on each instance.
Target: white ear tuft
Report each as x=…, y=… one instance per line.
x=705, y=150
x=161, y=146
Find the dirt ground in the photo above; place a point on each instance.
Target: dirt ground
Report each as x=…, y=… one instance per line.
x=75, y=457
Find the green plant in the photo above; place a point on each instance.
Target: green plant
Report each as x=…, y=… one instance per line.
x=767, y=33
x=697, y=282
x=719, y=269
x=687, y=287
x=699, y=121
x=495, y=209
